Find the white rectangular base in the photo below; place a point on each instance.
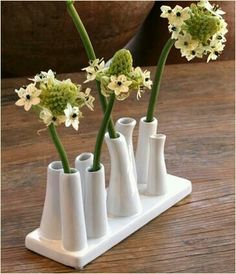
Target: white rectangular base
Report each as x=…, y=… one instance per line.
x=119, y=228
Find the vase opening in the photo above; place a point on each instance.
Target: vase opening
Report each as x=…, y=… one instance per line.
x=73, y=171
x=126, y=121
x=84, y=156
x=90, y=169
x=143, y=120
x=57, y=165
x=158, y=136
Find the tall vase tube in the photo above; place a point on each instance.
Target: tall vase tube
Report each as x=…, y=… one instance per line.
x=82, y=162
x=146, y=129
x=157, y=175
x=50, y=225
x=122, y=196
x=126, y=126
x=95, y=204
x=74, y=236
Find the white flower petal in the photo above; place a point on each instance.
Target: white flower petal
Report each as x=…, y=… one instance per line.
x=67, y=122
x=20, y=102
x=35, y=101
x=27, y=105
x=75, y=124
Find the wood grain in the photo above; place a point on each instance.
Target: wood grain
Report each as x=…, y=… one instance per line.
x=196, y=112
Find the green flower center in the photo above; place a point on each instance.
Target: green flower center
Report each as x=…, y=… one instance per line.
x=122, y=63
x=202, y=25
x=56, y=96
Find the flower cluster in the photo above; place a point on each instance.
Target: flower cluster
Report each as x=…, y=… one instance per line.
x=119, y=77
x=56, y=101
x=198, y=30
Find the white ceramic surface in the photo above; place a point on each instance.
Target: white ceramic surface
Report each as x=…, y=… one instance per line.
x=74, y=236
x=122, y=197
x=143, y=148
x=157, y=175
x=83, y=161
x=50, y=225
x=95, y=204
x=126, y=126
x=119, y=228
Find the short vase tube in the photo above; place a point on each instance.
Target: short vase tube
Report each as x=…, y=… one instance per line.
x=146, y=129
x=157, y=175
x=126, y=126
x=74, y=236
x=82, y=162
x=95, y=204
x=122, y=197
x=50, y=225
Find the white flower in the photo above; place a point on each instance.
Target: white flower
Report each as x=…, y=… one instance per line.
x=214, y=9
x=72, y=116
x=145, y=76
x=48, y=118
x=91, y=74
x=44, y=77
x=87, y=98
x=174, y=30
x=93, y=68
x=119, y=84
x=215, y=50
x=185, y=43
x=147, y=82
x=223, y=27
x=179, y=15
x=140, y=91
x=166, y=11
x=197, y=52
x=28, y=96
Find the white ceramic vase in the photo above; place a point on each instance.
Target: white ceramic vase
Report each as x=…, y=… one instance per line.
x=50, y=225
x=122, y=196
x=74, y=236
x=82, y=162
x=157, y=175
x=126, y=126
x=95, y=204
x=143, y=148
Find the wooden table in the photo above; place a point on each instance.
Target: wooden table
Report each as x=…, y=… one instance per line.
x=196, y=112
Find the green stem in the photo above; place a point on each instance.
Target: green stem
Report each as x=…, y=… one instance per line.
x=157, y=80
x=91, y=55
x=59, y=147
x=101, y=133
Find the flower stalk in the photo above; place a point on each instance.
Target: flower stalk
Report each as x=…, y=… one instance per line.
x=59, y=147
x=98, y=147
x=56, y=102
x=117, y=81
x=91, y=55
x=157, y=80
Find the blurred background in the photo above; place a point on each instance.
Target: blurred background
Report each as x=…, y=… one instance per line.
x=40, y=35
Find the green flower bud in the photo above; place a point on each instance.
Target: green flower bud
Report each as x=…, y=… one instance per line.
x=121, y=63
x=202, y=25
x=56, y=96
